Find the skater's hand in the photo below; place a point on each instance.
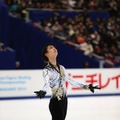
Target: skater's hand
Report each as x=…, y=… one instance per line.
x=40, y=94
x=91, y=87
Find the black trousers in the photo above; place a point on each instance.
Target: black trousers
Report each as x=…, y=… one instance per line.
x=58, y=109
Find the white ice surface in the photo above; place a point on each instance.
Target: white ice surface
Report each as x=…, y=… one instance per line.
x=82, y=108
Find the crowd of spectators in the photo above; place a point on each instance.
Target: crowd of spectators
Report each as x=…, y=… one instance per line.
x=65, y=4
x=99, y=39
x=20, y=7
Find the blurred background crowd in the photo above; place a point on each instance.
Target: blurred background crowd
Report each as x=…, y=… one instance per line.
x=97, y=38
x=64, y=4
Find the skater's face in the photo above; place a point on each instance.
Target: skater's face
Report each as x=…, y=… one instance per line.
x=52, y=52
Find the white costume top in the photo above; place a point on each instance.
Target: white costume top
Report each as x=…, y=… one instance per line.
x=57, y=80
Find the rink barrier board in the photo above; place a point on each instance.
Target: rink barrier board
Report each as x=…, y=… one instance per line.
x=21, y=84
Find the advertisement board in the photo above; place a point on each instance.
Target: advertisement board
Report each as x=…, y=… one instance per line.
x=23, y=83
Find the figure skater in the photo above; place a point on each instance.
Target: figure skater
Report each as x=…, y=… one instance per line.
x=55, y=77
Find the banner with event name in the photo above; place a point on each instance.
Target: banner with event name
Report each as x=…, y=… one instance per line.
x=23, y=83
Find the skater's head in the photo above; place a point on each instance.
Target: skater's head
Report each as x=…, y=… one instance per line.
x=49, y=52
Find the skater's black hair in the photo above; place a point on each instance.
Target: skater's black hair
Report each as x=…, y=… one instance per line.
x=44, y=50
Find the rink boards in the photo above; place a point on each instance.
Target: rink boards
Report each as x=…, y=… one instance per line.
x=16, y=84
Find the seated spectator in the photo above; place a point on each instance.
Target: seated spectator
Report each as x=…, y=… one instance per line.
x=22, y=10
x=71, y=33
x=18, y=65
x=80, y=38
x=109, y=60
x=86, y=64
x=87, y=48
x=98, y=50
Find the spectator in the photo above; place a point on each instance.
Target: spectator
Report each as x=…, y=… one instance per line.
x=86, y=64
x=18, y=65
x=87, y=48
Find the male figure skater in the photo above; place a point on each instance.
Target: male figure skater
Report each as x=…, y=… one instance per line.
x=55, y=76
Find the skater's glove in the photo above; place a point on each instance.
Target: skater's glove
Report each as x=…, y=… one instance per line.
x=40, y=94
x=91, y=87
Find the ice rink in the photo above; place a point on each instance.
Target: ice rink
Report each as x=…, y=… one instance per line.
x=81, y=108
